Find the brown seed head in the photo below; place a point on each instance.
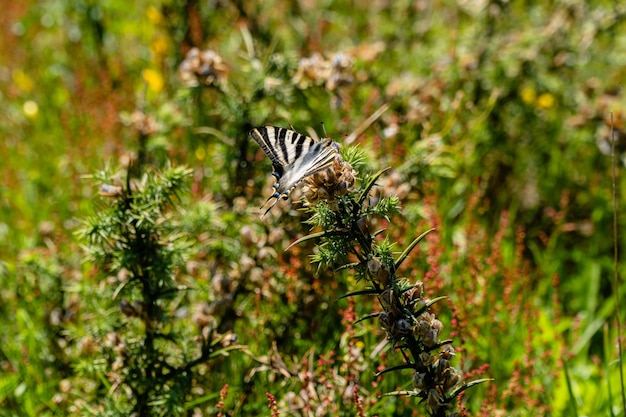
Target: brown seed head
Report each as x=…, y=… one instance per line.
x=203, y=68
x=335, y=181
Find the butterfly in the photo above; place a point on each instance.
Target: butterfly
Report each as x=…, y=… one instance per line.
x=294, y=156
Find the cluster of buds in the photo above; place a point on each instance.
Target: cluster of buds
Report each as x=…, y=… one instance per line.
x=335, y=181
x=394, y=320
x=407, y=316
x=437, y=379
x=435, y=376
x=203, y=68
x=332, y=73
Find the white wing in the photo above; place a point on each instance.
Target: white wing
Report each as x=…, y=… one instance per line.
x=293, y=155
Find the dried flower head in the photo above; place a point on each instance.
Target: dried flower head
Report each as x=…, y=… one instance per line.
x=451, y=377
x=333, y=73
x=423, y=325
x=313, y=70
x=386, y=323
x=448, y=352
x=431, y=338
x=414, y=294
x=341, y=66
x=203, y=68
x=388, y=300
x=425, y=358
x=143, y=123
x=335, y=181
x=373, y=267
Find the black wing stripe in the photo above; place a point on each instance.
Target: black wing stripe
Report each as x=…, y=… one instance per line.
x=299, y=142
x=261, y=136
x=269, y=149
x=280, y=141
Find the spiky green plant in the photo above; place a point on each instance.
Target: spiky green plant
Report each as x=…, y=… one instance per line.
x=148, y=366
x=345, y=217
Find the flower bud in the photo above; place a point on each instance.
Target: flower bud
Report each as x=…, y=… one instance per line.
x=422, y=328
x=373, y=266
x=437, y=326
x=448, y=352
x=433, y=399
x=419, y=379
x=430, y=339
x=403, y=327
x=451, y=378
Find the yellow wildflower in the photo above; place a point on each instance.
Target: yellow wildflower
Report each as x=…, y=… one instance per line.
x=154, y=80
x=545, y=101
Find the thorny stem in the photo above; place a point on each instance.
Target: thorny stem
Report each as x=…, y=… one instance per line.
x=406, y=316
x=411, y=348
x=410, y=343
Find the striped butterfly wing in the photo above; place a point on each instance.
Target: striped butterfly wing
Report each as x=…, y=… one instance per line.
x=294, y=156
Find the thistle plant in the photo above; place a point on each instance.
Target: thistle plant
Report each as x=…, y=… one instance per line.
x=346, y=216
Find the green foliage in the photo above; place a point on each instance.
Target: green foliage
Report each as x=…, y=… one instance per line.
x=133, y=239
x=494, y=118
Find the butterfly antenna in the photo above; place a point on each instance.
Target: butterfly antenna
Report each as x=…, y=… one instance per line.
x=324, y=129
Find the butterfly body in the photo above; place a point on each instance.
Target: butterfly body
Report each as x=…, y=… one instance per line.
x=294, y=156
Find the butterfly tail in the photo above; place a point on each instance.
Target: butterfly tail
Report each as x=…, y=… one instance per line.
x=275, y=196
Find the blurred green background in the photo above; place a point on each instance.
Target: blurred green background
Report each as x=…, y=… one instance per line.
x=497, y=134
